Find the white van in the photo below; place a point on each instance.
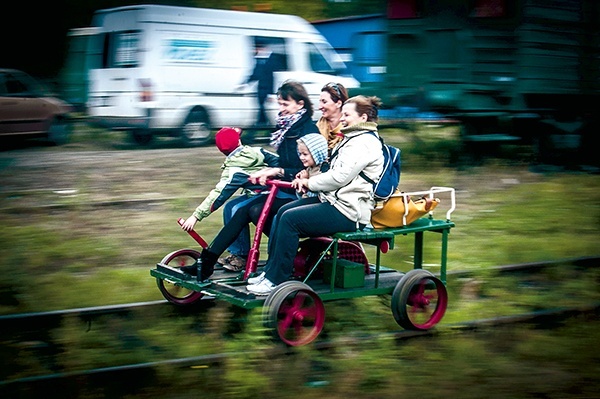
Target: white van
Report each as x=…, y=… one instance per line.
x=178, y=70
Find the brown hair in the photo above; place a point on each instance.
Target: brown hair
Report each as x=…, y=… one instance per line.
x=337, y=91
x=291, y=89
x=366, y=105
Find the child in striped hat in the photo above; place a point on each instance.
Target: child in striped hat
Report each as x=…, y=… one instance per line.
x=312, y=150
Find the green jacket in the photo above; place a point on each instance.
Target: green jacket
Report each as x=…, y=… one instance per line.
x=244, y=159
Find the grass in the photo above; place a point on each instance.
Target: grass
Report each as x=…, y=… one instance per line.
x=70, y=238
x=66, y=221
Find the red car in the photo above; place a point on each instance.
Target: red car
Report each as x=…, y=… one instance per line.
x=26, y=110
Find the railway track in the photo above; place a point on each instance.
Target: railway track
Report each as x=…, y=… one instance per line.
x=35, y=331
x=51, y=317
x=131, y=377
x=540, y=318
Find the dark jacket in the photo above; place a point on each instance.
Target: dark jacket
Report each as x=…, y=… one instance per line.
x=288, y=150
x=263, y=72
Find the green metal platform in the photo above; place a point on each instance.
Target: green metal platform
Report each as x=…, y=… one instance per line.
x=381, y=280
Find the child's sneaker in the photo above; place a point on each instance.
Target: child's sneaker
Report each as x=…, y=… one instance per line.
x=263, y=288
x=257, y=279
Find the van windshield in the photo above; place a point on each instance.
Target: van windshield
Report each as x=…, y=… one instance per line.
x=324, y=59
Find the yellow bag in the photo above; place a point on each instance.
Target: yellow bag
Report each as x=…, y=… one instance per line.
x=393, y=211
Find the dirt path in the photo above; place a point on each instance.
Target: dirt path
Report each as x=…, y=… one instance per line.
x=38, y=176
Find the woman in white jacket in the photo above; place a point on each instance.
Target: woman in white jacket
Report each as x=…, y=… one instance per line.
x=345, y=198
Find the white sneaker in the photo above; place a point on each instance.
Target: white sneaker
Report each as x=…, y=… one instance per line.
x=257, y=279
x=263, y=288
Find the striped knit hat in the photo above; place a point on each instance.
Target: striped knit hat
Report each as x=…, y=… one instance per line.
x=317, y=146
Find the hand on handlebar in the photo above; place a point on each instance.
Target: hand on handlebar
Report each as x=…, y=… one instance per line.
x=261, y=176
x=301, y=185
x=189, y=223
x=303, y=174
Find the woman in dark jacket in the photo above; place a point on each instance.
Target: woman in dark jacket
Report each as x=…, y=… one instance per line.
x=294, y=121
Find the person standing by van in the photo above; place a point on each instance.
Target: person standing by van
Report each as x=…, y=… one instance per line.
x=333, y=96
x=266, y=62
x=294, y=121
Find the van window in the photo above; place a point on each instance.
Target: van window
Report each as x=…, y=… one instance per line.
x=115, y=50
x=324, y=60
x=277, y=46
x=126, y=49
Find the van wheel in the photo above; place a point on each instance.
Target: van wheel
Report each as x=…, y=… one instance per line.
x=141, y=136
x=196, y=128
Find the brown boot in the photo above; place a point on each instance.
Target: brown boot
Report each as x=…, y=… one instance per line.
x=233, y=263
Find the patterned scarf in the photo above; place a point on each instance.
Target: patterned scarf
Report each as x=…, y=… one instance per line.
x=284, y=123
x=333, y=136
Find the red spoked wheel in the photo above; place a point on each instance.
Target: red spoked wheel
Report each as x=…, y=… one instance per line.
x=295, y=313
x=172, y=292
x=419, y=300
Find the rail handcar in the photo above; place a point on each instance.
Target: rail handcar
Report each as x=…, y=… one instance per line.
x=325, y=268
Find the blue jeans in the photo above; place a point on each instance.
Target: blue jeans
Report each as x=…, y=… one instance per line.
x=246, y=212
x=241, y=245
x=306, y=217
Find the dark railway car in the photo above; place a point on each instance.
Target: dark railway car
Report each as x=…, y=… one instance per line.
x=523, y=70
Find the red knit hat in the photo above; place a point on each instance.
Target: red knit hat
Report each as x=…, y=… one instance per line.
x=228, y=139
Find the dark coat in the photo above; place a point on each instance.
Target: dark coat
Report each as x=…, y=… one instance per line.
x=263, y=72
x=288, y=150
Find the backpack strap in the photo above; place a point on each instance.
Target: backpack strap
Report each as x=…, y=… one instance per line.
x=367, y=178
x=337, y=150
x=361, y=173
x=335, y=153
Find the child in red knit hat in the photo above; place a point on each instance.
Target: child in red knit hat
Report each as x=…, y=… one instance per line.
x=241, y=160
x=228, y=139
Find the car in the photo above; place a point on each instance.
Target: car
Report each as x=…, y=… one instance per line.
x=28, y=110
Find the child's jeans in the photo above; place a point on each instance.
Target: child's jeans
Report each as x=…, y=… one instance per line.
x=241, y=246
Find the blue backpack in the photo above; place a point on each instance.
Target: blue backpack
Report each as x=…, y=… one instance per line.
x=389, y=180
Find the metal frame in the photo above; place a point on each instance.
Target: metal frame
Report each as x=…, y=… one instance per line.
x=382, y=281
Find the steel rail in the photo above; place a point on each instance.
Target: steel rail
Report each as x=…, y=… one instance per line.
x=587, y=261
x=542, y=317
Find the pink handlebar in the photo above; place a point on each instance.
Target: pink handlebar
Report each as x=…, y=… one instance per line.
x=279, y=183
x=194, y=235
x=274, y=184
